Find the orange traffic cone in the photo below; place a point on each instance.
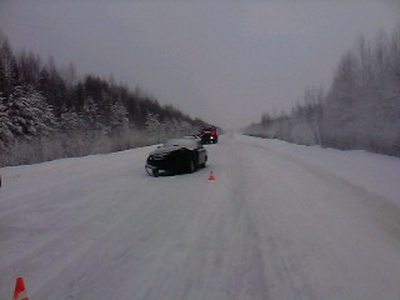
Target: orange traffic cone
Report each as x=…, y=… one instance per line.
x=20, y=292
x=212, y=176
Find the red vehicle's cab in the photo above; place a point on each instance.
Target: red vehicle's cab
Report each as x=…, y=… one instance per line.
x=209, y=134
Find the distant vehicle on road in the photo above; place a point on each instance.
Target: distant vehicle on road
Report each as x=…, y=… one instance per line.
x=209, y=134
x=176, y=156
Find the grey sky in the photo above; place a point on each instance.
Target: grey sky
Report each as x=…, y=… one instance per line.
x=224, y=61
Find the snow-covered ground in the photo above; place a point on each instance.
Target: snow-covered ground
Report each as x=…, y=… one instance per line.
x=280, y=221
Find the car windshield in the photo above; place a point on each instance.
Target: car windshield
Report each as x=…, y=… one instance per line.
x=189, y=143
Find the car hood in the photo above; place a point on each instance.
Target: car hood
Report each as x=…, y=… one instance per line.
x=165, y=150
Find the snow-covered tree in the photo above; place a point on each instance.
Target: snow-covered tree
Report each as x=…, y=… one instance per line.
x=70, y=121
x=5, y=124
x=118, y=117
x=153, y=127
x=46, y=113
x=361, y=109
x=29, y=113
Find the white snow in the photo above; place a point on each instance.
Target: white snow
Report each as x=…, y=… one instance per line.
x=379, y=174
x=280, y=221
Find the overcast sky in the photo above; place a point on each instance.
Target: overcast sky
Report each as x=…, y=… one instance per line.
x=224, y=61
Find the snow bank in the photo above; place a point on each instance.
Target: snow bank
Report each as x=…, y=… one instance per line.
x=376, y=173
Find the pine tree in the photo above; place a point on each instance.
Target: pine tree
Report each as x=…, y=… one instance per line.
x=6, y=136
x=153, y=127
x=29, y=113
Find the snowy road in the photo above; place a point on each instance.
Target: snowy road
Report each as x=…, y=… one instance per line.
x=280, y=222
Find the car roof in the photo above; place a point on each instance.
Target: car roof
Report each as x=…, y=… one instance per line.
x=188, y=143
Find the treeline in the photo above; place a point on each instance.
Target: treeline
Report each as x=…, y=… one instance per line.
x=361, y=110
x=47, y=113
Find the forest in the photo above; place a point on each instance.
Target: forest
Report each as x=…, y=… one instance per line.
x=48, y=113
x=361, y=109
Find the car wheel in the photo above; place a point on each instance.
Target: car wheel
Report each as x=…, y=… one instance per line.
x=203, y=165
x=156, y=173
x=191, y=166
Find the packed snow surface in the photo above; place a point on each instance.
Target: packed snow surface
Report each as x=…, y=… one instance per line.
x=280, y=221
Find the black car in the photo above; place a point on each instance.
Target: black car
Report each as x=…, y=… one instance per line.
x=177, y=156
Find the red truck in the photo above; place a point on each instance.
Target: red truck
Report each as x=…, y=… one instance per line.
x=209, y=134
